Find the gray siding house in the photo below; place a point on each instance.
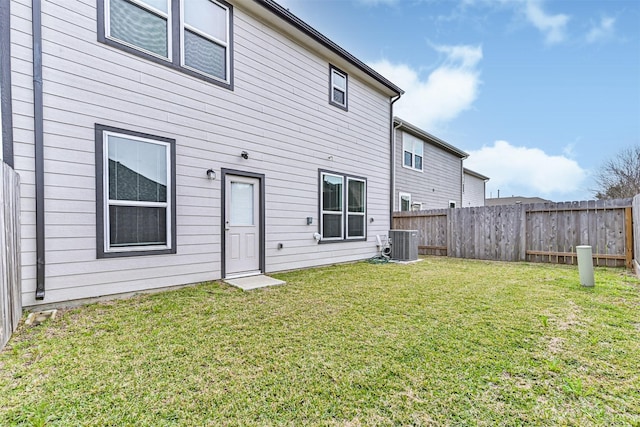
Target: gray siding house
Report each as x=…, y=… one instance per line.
x=473, y=188
x=427, y=170
x=167, y=142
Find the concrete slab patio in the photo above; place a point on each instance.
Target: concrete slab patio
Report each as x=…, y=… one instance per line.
x=254, y=282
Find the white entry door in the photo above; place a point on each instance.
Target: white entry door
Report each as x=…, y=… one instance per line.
x=242, y=225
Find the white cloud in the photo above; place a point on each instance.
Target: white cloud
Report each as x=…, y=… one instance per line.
x=523, y=171
x=553, y=26
x=603, y=31
x=440, y=97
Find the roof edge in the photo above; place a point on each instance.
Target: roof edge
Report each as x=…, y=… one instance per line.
x=419, y=133
x=298, y=23
x=476, y=174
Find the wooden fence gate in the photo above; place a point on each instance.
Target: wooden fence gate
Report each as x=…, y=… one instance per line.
x=541, y=232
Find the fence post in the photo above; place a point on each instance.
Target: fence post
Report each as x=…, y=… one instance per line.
x=628, y=228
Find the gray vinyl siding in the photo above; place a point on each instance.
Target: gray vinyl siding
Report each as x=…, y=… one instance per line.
x=277, y=112
x=474, y=189
x=439, y=182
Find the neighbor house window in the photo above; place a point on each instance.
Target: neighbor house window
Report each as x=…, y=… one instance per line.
x=343, y=206
x=135, y=179
x=193, y=36
x=338, y=88
x=405, y=202
x=453, y=204
x=413, y=152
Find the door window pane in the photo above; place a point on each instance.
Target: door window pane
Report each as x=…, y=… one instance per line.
x=137, y=170
x=241, y=207
x=139, y=27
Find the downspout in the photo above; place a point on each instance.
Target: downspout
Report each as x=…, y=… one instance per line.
x=392, y=143
x=38, y=131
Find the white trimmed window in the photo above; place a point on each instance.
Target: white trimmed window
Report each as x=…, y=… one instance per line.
x=205, y=37
x=453, y=204
x=356, y=207
x=405, y=202
x=144, y=25
x=340, y=220
x=193, y=36
x=136, y=192
x=338, y=88
x=413, y=152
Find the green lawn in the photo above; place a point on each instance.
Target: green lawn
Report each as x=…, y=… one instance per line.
x=439, y=342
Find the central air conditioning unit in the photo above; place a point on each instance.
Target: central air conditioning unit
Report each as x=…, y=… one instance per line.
x=404, y=245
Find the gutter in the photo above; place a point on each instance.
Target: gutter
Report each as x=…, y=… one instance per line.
x=392, y=143
x=38, y=130
x=311, y=32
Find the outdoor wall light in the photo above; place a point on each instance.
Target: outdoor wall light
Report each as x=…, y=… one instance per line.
x=244, y=155
x=211, y=174
x=309, y=220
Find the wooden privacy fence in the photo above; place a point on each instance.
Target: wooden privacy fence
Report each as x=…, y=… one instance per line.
x=10, y=288
x=541, y=232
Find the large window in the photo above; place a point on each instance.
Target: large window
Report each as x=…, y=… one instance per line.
x=135, y=179
x=343, y=207
x=338, y=88
x=413, y=152
x=191, y=35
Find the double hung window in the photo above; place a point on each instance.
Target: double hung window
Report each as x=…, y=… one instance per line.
x=413, y=152
x=343, y=206
x=338, y=88
x=135, y=179
x=191, y=35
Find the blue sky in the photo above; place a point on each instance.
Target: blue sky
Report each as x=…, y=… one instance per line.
x=539, y=92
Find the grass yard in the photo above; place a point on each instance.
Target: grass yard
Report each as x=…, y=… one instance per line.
x=439, y=342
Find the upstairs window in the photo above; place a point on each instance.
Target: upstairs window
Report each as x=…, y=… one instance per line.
x=144, y=25
x=413, y=152
x=340, y=220
x=338, y=88
x=193, y=36
x=205, y=35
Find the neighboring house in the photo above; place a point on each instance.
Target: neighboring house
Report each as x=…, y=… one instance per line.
x=172, y=142
x=427, y=170
x=514, y=200
x=473, y=188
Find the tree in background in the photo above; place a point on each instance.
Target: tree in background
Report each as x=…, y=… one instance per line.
x=619, y=177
